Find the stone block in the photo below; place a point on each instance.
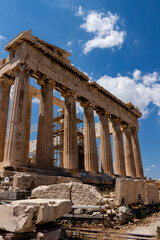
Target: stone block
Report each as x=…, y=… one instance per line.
x=16, y=218
x=61, y=179
x=131, y=190
x=23, y=215
x=23, y=181
x=84, y=194
x=28, y=181
x=56, y=191
x=44, y=180
x=152, y=194
x=80, y=194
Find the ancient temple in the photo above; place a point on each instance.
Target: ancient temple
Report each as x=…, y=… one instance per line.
x=49, y=65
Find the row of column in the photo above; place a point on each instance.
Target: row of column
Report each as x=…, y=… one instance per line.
x=15, y=150
x=127, y=157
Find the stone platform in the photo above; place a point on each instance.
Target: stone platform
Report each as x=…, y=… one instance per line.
x=37, y=176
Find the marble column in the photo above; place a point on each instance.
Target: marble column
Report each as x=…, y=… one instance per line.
x=105, y=144
x=16, y=134
x=44, y=152
x=70, y=147
x=90, y=145
x=119, y=163
x=128, y=152
x=28, y=127
x=5, y=86
x=61, y=143
x=137, y=154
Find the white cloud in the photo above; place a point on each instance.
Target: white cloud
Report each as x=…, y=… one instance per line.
x=128, y=89
x=35, y=100
x=69, y=43
x=150, y=78
x=153, y=166
x=2, y=37
x=105, y=29
x=80, y=12
x=137, y=74
x=147, y=169
x=2, y=40
x=11, y=92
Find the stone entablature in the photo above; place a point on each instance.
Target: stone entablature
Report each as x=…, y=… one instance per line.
x=31, y=57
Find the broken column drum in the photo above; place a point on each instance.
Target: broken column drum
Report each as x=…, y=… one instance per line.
x=30, y=56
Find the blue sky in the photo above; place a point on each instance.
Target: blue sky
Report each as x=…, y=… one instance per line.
x=115, y=42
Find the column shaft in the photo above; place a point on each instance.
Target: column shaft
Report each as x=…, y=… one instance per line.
x=90, y=145
x=44, y=153
x=4, y=104
x=16, y=134
x=61, y=144
x=119, y=163
x=28, y=127
x=137, y=154
x=105, y=145
x=129, y=158
x=70, y=147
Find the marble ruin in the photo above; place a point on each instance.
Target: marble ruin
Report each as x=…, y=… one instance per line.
x=49, y=65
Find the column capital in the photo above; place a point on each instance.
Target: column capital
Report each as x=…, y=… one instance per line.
x=10, y=82
x=22, y=68
x=125, y=125
x=69, y=93
x=102, y=113
x=134, y=130
x=87, y=104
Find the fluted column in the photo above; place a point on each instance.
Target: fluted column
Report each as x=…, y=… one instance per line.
x=119, y=163
x=128, y=152
x=70, y=147
x=28, y=127
x=61, y=143
x=90, y=145
x=44, y=153
x=105, y=144
x=137, y=154
x=16, y=134
x=5, y=86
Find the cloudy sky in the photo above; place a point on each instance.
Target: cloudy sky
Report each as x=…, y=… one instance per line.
x=115, y=42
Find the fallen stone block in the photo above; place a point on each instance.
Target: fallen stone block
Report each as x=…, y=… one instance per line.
x=48, y=210
x=79, y=193
x=84, y=194
x=23, y=215
x=56, y=191
x=16, y=218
